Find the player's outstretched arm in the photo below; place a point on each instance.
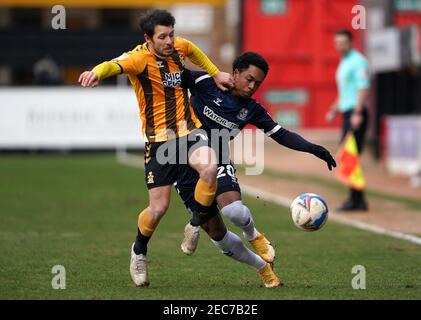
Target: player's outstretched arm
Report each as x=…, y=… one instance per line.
x=289, y=139
x=99, y=72
x=294, y=141
x=325, y=155
x=88, y=79
x=223, y=80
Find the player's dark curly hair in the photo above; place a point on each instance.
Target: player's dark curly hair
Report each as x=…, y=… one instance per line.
x=244, y=60
x=153, y=18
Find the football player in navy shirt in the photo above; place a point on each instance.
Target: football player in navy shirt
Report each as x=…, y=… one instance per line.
x=229, y=112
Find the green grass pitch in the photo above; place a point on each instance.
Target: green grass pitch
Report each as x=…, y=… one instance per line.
x=80, y=211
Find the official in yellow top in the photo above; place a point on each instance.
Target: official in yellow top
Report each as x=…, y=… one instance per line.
x=154, y=69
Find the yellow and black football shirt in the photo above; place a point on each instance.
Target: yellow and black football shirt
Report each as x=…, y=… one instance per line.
x=164, y=106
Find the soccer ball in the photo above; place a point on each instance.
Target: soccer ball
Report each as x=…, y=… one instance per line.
x=309, y=211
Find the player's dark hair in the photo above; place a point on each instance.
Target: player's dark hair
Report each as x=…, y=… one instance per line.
x=346, y=33
x=244, y=60
x=153, y=18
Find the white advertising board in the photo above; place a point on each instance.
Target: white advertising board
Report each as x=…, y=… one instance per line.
x=69, y=118
x=403, y=145
x=383, y=50
x=193, y=18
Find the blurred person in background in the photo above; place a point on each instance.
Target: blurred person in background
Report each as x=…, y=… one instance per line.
x=47, y=72
x=352, y=78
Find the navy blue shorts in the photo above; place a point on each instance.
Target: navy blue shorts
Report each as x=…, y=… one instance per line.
x=227, y=180
x=187, y=179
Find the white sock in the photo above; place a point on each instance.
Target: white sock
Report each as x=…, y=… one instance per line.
x=249, y=231
x=240, y=215
x=232, y=246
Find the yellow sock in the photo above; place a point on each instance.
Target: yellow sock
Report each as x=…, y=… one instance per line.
x=146, y=224
x=204, y=193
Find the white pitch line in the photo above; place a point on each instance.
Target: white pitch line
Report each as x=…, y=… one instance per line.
x=130, y=160
x=137, y=162
x=285, y=202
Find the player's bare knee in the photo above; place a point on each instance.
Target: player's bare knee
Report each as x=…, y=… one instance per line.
x=208, y=173
x=157, y=211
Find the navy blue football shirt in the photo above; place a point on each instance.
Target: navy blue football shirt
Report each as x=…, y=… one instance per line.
x=223, y=110
x=217, y=109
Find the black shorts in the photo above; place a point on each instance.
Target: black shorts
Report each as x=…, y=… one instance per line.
x=163, y=159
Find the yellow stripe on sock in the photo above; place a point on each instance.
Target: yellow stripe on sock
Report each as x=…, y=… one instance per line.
x=203, y=193
x=146, y=224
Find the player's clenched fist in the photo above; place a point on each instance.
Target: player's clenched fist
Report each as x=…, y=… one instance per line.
x=88, y=79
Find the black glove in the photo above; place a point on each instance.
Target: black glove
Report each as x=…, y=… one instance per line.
x=323, y=154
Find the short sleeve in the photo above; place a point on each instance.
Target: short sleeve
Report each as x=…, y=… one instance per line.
x=183, y=46
x=132, y=62
x=362, y=75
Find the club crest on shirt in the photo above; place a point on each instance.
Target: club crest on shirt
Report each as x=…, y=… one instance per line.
x=242, y=114
x=150, y=177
